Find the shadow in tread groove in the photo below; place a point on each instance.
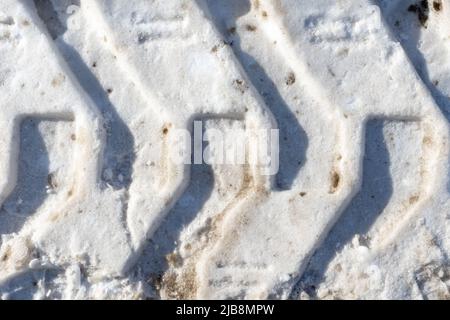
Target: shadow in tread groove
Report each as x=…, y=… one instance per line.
x=119, y=153
x=27, y=286
x=30, y=191
x=293, y=139
x=50, y=17
x=360, y=215
x=164, y=242
x=408, y=30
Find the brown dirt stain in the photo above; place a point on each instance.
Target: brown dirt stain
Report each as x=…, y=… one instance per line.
x=437, y=5
x=58, y=80
x=290, y=79
x=184, y=285
x=335, y=180
x=250, y=27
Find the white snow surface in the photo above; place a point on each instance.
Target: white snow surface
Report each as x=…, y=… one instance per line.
x=92, y=93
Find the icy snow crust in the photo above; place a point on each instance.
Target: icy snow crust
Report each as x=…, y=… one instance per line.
x=92, y=92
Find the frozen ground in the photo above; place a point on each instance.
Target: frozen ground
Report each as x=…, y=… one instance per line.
x=92, y=93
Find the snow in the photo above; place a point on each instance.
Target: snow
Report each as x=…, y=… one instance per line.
x=95, y=95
